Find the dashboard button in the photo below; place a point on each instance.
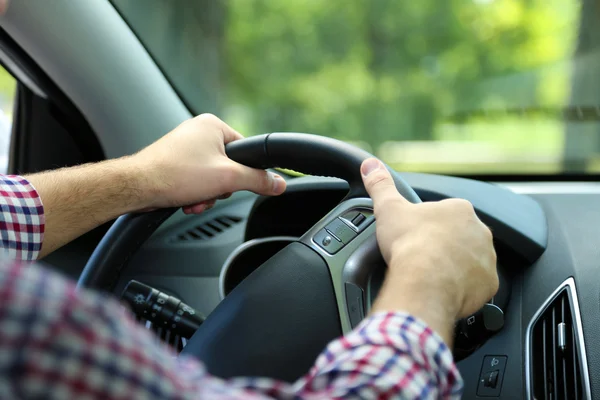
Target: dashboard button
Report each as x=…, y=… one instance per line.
x=485, y=322
x=490, y=379
x=491, y=376
x=327, y=242
x=341, y=231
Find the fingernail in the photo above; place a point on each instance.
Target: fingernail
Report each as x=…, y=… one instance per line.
x=370, y=165
x=198, y=208
x=278, y=183
x=3, y=6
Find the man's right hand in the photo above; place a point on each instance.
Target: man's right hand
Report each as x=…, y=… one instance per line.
x=440, y=256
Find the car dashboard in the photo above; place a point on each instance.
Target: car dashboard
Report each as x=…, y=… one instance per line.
x=546, y=345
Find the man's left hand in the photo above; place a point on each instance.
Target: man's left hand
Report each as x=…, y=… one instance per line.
x=188, y=167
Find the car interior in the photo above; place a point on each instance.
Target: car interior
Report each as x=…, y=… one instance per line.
x=257, y=286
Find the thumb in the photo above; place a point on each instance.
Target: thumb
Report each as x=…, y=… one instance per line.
x=260, y=181
x=379, y=182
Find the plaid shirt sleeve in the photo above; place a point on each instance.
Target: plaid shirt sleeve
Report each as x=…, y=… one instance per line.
x=59, y=343
x=21, y=218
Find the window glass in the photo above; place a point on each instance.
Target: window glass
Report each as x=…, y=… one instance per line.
x=455, y=86
x=8, y=86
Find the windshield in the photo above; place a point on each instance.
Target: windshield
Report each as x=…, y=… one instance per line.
x=448, y=86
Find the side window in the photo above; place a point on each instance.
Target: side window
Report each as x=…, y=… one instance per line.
x=8, y=86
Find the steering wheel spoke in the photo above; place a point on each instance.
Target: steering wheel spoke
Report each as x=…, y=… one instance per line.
x=345, y=239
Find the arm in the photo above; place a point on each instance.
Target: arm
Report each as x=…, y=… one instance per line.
x=186, y=168
x=104, y=354
x=62, y=343
x=78, y=199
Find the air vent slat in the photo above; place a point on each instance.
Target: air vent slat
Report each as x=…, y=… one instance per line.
x=565, y=385
x=213, y=226
x=195, y=234
x=223, y=222
x=208, y=229
x=545, y=366
x=206, y=233
x=555, y=369
x=562, y=347
x=575, y=364
x=554, y=389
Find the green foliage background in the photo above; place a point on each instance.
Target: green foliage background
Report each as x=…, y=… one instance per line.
x=383, y=71
x=455, y=86
x=8, y=86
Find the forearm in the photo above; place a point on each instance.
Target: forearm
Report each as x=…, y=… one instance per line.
x=422, y=303
x=78, y=199
x=388, y=356
x=416, y=295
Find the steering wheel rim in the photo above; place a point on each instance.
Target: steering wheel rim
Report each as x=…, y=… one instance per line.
x=313, y=283
x=307, y=153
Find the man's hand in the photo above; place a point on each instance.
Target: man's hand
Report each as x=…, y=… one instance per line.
x=440, y=256
x=186, y=168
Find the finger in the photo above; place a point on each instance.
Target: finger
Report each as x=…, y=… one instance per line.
x=199, y=208
x=230, y=134
x=194, y=209
x=379, y=183
x=258, y=181
x=209, y=204
x=3, y=6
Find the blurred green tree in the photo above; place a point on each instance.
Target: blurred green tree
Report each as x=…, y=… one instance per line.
x=372, y=71
x=379, y=70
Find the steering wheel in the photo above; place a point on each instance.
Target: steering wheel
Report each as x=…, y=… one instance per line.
x=276, y=321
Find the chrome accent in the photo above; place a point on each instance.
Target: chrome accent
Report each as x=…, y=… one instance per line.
x=562, y=336
x=240, y=249
x=580, y=344
x=337, y=262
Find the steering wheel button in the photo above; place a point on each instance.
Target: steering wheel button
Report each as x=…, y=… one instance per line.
x=327, y=241
x=359, y=219
x=341, y=231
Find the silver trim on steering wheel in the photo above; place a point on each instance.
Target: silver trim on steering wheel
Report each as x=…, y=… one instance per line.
x=347, y=265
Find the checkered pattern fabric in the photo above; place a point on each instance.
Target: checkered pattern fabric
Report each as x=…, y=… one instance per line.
x=21, y=218
x=60, y=343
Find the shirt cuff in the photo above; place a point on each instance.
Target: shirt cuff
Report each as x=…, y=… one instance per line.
x=426, y=347
x=411, y=356
x=21, y=218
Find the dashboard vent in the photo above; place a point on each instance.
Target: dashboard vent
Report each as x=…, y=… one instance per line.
x=209, y=229
x=557, y=365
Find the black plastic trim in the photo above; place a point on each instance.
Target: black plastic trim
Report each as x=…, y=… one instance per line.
x=63, y=109
x=290, y=306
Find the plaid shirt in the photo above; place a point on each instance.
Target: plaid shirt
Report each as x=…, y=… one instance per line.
x=60, y=343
